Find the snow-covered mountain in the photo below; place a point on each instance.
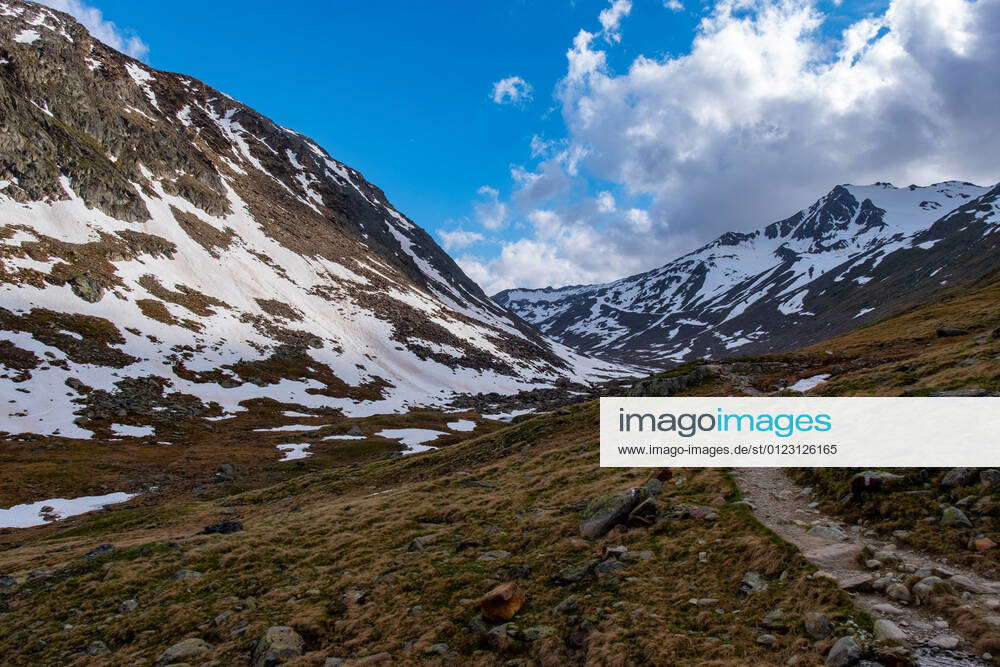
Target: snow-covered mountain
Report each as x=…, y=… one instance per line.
x=166, y=251
x=854, y=255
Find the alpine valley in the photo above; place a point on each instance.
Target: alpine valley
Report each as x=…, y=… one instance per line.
x=254, y=416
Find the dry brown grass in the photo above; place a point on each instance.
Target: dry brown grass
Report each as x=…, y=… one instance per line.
x=313, y=539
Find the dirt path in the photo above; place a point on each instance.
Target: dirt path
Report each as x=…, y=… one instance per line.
x=835, y=548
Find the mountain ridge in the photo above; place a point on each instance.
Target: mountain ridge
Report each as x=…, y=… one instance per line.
x=207, y=256
x=746, y=291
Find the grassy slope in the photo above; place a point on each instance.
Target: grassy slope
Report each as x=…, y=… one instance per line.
x=311, y=539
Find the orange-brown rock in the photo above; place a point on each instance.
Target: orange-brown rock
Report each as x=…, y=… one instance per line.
x=984, y=544
x=501, y=603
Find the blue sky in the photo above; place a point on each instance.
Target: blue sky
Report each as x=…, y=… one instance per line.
x=650, y=126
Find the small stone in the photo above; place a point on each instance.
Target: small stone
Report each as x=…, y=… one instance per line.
x=278, y=645
x=437, y=649
x=898, y=592
x=96, y=648
x=832, y=533
x=857, y=582
x=97, y=552
x=947, y=332
x=499, y=554
x=952, y=516
x=844, y=652
x=182, y=575
x=183, y=650
x=888, y=631
x=947, y=642
x=128, y=606
x=501, y=603
x=817, y=625
x=983, y=544
x=766, y=640
x=775, y=620
x=222, y=528
x=610, y=565
x=753, y=583
x=889, y=609
x=568, y=606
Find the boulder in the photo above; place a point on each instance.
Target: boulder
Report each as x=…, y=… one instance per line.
x=989, y=476
x=278, y=645
x=752, y=583
x=844, y=652
x=927, y=587
x=182, y=651
x=605, y=512
x=983, y=544
x=952, y=516
x=959, y=477
x=775, y=620
x=886, y=630
x=856, y=582
x=501, y=603
x=946, y=642
x=898, y=592
x=87, y=288
x=817, y=625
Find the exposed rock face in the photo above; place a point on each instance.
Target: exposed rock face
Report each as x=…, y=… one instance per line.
x=854, y=256
x=216, y=252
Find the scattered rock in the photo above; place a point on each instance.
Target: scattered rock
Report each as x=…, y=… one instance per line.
x=501, y=603
x=419, y=542
x=766, y=640
x=7, y=582
x=886, y=608
x=775, y=620
x=888, y=631
x=948, y=332
x=832, y=533
x=964, y=583
x=930, y=586
x=989, y=476
x=87, y=288
x=568, y=606
x=983, y=544
x=96, y=647
x=437, y=649
x=856, y=582
x=898, y=592
x=952, y=516
x=575, y=573
x=844, y=652
x=97, y=552
x=182, y=575
x=605, y=512
x=182, y=651
x=279, y=644
x=957, y=477
x=222, y=528
x=752, y=583
x=947, y=642
x=128, y=606
x=817, y=625
x=499, y=554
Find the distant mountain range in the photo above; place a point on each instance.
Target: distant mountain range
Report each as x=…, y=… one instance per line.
x=854, y=256
x=169, y=252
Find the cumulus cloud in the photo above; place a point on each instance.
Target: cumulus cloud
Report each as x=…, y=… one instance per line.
x=678, y=6
x=765, y=113
x=104, y=30
x=512, y=90
x=611, y=19
x=490, y=212
x=458, y=239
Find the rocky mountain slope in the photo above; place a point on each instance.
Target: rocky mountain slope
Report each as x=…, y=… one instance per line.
x=166, y=251
x=854, y=256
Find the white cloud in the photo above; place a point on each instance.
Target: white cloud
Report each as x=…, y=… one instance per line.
x=678, y=6
x=512, y=90
x=490, y=212
x=605, y=202
x=764, y=114
x=104, y=30
x=458, y=239
x=611, y=19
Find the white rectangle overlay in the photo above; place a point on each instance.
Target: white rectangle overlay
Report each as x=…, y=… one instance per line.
x=822, y=432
